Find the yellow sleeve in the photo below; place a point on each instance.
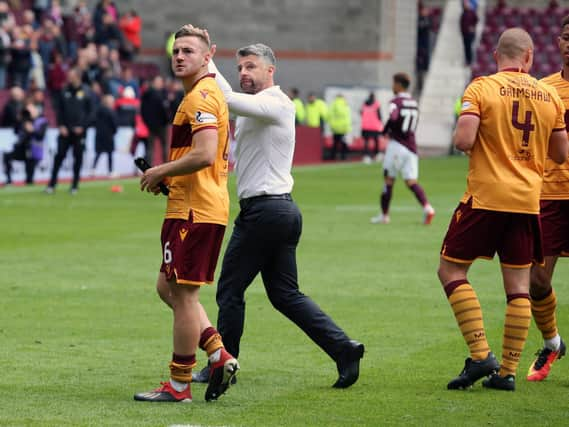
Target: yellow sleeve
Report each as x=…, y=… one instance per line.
x=560, y=120
x=202, y=109
x=471, y=99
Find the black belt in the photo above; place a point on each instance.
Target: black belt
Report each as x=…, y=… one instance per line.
x=247, y=201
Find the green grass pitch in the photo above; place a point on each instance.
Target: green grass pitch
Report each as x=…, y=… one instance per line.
x=82, y=329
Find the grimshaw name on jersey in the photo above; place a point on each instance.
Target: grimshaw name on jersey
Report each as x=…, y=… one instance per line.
x=519, y=92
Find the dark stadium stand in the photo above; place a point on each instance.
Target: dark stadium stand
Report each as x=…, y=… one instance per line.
x=542, y=24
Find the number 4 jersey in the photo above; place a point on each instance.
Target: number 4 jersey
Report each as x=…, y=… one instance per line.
x=517, y=115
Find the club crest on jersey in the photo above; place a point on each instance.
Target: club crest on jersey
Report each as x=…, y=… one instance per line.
x=183, y=233
x=202, y=117
x=203, y=93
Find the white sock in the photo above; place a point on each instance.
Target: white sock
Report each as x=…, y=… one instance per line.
x=215, y=356
x=553, y=343
x=178, y=386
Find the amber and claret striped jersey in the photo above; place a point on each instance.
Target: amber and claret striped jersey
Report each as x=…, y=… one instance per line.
x=517, y=114
x=556, y=177
x=203, y=193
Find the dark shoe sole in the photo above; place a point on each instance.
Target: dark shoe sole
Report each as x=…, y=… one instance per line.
x=158, y=397
x=463, y=383
x=220, y=380
x=356, y=356
x=498, y=383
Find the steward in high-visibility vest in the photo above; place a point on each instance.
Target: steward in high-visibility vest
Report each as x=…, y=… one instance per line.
x=316, y=111
x=340, y=116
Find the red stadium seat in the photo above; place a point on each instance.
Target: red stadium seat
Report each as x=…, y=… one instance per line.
x=4, y=97
x=540, y=36
x=487, y=68
x=546, y=20
x=511, y=21
x=555, y=31
x=551, y=50
x=527, y=22
x=476, y=70
x=558, y=15
x=544, y=27
x=492, y=20
x=544, y=69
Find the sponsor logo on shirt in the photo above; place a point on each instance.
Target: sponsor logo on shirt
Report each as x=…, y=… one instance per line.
x=202, y=117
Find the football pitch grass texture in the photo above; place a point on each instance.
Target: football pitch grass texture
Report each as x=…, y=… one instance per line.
x=82, y=328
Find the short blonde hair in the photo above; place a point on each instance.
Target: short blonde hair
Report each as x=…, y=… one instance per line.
x=189, y=30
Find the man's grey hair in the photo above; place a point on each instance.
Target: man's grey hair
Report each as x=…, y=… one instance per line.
x=260, y=50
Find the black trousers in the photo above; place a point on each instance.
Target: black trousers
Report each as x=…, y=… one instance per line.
x=467, y=40
x=338, y=142
x=77, y=143
x=109, y=159
x=264, y=240
x=370, y=135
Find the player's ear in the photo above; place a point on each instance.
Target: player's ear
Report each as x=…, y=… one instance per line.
x=207, y=58
x=529, y=57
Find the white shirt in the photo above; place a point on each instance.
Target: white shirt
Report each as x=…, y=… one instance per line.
x=265, y=138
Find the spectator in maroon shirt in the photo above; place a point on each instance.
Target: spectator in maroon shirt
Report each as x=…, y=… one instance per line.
x=468, y=21
x=56, y=76
x=75, y=29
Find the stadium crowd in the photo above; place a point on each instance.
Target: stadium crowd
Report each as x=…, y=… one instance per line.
x=41, y=42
